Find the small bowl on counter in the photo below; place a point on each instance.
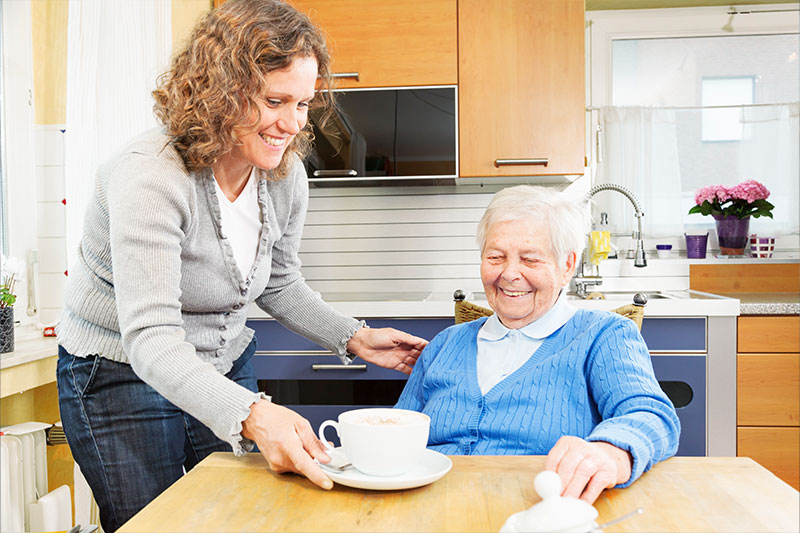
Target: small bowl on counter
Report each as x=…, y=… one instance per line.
x=663, y=250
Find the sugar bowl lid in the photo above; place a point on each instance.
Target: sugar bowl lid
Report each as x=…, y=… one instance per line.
x=554, y=513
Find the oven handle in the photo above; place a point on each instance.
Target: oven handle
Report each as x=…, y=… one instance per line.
x=338, y=367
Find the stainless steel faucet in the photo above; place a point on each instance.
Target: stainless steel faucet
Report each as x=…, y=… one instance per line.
x=583, y=280
x=640, y=260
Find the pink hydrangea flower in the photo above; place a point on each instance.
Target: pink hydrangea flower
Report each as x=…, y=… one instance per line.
x=712, y=193
x=750, y=191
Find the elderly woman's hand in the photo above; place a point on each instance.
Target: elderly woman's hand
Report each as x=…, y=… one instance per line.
x=286, y=441
x=387, y=347
x=586, y=468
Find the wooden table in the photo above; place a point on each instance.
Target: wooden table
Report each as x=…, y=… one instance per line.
x=226, y=493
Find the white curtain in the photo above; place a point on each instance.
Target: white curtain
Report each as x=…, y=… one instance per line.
x=769, y=154
x=640, y=152
x=660, y=155
x=115, y=51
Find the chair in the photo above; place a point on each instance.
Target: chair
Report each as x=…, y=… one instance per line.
x=467, y=311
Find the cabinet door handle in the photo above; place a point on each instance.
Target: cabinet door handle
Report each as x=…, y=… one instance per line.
x=339, y=367
x=537, y=161
x=339, y=75
x=335, y=173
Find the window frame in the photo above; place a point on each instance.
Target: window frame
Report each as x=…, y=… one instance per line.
x=603, y=27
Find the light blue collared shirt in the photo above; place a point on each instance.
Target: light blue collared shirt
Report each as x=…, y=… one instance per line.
x=501, y=351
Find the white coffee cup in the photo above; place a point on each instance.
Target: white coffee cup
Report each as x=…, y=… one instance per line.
x=381, y=441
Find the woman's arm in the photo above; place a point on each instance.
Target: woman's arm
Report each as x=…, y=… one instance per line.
x=288, y=299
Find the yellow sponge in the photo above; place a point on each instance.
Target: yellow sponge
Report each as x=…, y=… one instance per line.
x=599, y=246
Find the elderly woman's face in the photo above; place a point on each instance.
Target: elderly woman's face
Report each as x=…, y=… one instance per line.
x=284, y=112
x=519, y=271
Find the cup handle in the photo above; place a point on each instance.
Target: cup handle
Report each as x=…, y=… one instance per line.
x=322, y=432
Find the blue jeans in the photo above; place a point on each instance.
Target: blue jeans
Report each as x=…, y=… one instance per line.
x=129, y=441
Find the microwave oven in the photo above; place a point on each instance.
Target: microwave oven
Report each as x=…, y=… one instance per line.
x=394, y=133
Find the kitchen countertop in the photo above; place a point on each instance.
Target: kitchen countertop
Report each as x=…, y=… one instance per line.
x=29, y=346
x=767, y=303
x=31, y=364
x=439, y=304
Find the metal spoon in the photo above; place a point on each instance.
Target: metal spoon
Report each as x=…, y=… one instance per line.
x=601, y=527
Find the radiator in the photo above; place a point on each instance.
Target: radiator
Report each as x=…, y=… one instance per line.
x=25, y=504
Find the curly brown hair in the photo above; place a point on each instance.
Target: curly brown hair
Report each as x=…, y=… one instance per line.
x=206, y=99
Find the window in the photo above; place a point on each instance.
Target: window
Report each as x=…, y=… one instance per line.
x=678, y=103
x=724, y=123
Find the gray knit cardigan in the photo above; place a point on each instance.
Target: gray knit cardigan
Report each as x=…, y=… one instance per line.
x=156, y=284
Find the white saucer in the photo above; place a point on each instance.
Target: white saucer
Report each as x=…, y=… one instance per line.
x=432, y=466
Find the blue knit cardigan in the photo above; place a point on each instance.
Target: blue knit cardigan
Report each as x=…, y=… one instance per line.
x=592, y=379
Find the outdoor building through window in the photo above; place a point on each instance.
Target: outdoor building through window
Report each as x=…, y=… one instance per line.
x=725, y=124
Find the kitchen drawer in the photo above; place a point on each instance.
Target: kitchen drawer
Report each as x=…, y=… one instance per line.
x=769, y=334
x=683, y=379
x=674, y=334
x=768, y=389
x=777, y=449
x=322, y=366
x=274, y=337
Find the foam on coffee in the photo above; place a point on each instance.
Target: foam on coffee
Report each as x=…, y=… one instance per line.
x=387, y=420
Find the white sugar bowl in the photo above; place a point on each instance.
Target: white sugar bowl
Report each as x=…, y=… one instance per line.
x=554, y=514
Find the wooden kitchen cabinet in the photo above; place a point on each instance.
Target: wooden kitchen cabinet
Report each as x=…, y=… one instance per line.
x=768, y=389
x=521, y=86
x=397, y=43
x=768, y=393
x=775, y=448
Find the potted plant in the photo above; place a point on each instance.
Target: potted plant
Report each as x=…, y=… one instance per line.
x=732, y=208
x=12, y=269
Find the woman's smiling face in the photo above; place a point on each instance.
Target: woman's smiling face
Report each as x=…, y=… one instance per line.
x=284, y=112
x=520, y=274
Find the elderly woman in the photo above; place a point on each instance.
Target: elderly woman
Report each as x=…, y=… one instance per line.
x=540, y=376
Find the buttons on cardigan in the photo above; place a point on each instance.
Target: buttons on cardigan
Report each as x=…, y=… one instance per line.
x=222, y=342
x=236, y=306
x=244, y=292
x=223, y=328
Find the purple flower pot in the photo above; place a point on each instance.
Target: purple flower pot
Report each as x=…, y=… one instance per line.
x=732, y=233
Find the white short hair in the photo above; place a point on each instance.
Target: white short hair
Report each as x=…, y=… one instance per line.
x=566, y=215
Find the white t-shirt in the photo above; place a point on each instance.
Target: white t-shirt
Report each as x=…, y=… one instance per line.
x=241, y=223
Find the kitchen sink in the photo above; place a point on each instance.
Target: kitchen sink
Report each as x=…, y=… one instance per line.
x=625, y=296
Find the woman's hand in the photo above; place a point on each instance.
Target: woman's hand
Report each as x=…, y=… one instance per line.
x=387, y=347
x=586, y=468
x=286, y=441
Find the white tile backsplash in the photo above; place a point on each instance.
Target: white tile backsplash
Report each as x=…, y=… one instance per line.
x=50, y=183
x=49, y=145
x=51, y=290
x=52, y=255
x=51, y=242
x=50, y=219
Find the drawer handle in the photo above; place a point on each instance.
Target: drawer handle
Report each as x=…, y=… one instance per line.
x=539, y=161
x=339, y=367
x=339, y=75
x=335, y=173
